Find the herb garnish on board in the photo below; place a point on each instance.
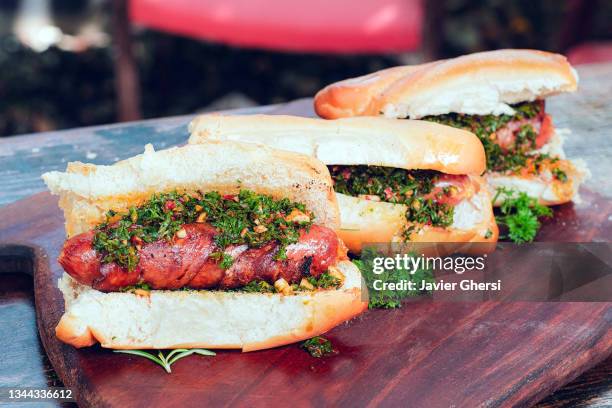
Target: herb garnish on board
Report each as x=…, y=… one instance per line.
x=398, y=186
x=244, y=218
x=520, y=213
x=387, y=298
x=319, y=347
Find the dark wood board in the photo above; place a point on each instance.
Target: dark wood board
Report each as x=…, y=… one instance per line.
x=425, y=354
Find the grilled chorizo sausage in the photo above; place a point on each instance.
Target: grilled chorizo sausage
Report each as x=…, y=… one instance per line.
x=188, y=261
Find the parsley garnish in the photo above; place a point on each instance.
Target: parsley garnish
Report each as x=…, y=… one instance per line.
x=319, y=347
x=485, y=126
x=559, y=174
x=324, y=281
x=520, y=213
x=258, y=286
x=139, y=286
x=388, y=299
x=245, y=218
x=398, y=186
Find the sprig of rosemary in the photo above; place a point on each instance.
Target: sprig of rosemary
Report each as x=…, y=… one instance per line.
x=169, y=359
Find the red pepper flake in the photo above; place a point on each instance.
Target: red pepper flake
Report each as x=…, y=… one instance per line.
x=388, y=193
x=231, y=197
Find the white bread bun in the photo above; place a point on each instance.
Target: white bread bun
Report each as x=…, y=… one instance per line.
x=544, y=187
x=209, y=319
x=405, y=144
x=475, y=84
x=88, y=191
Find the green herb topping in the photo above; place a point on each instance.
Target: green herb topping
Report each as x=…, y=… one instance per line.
x=520, y=213
x=386, y=298
x=244, y=218
x=511, y=159
x=139, y=286
x=319, y=347
x=559, y=174
x=323, y=281
x=399, y=186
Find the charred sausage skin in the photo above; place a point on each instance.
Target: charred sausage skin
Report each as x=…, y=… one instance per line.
x=188, y=262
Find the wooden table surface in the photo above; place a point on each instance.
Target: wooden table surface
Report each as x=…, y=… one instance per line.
x=24, y=158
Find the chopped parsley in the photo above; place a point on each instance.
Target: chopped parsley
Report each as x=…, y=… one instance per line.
x=244, y=218
x=323, y=281
x=559, y=174
x=513, y=159
x=319, y=347
x=520, y=213
x=258, y=286
x=398, y=186
x=485, y=126
x=139, y=286
x=386, y=298
x=225, y=260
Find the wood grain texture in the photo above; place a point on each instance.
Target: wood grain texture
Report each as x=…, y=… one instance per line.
x=425, y=354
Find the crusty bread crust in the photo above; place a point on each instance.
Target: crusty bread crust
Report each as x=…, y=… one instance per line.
x=88, y=191
x=371, y=222
x=403, y=144
x=210, y=319
x=475, y=84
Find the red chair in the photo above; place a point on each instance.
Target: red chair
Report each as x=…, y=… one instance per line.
x=318, y=26
x=323, y=26
x=590, y=53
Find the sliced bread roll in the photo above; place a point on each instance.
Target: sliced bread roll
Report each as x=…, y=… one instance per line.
x=200, y=318
x=475, y=84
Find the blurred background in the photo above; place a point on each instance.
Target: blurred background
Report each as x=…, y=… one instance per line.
x=69, y=63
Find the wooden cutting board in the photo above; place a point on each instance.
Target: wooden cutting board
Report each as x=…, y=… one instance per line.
x=433, y=354
x=424, y=354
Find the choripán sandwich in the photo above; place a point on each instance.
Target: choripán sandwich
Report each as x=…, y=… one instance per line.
x=218, y=245
x=498, y=95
